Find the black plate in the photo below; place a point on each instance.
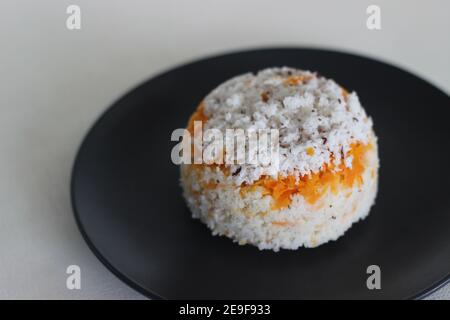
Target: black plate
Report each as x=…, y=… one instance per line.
x=128, y=203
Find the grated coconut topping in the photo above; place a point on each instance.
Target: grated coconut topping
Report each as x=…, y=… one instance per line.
x=308, y=110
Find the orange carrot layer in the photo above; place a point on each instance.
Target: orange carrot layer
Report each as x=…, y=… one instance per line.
x=313, y=187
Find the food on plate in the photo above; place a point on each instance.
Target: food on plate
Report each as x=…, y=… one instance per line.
x=325, y=176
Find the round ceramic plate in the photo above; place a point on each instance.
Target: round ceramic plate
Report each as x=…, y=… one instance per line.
x=128, y=204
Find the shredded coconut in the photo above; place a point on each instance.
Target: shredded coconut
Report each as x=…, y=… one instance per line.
x=309, y=111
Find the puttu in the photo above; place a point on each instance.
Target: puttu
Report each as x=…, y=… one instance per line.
x=325, y=176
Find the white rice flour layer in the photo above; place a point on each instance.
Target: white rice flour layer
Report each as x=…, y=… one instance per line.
x=249, y=219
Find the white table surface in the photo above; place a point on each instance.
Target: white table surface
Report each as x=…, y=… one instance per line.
x=54, y=83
